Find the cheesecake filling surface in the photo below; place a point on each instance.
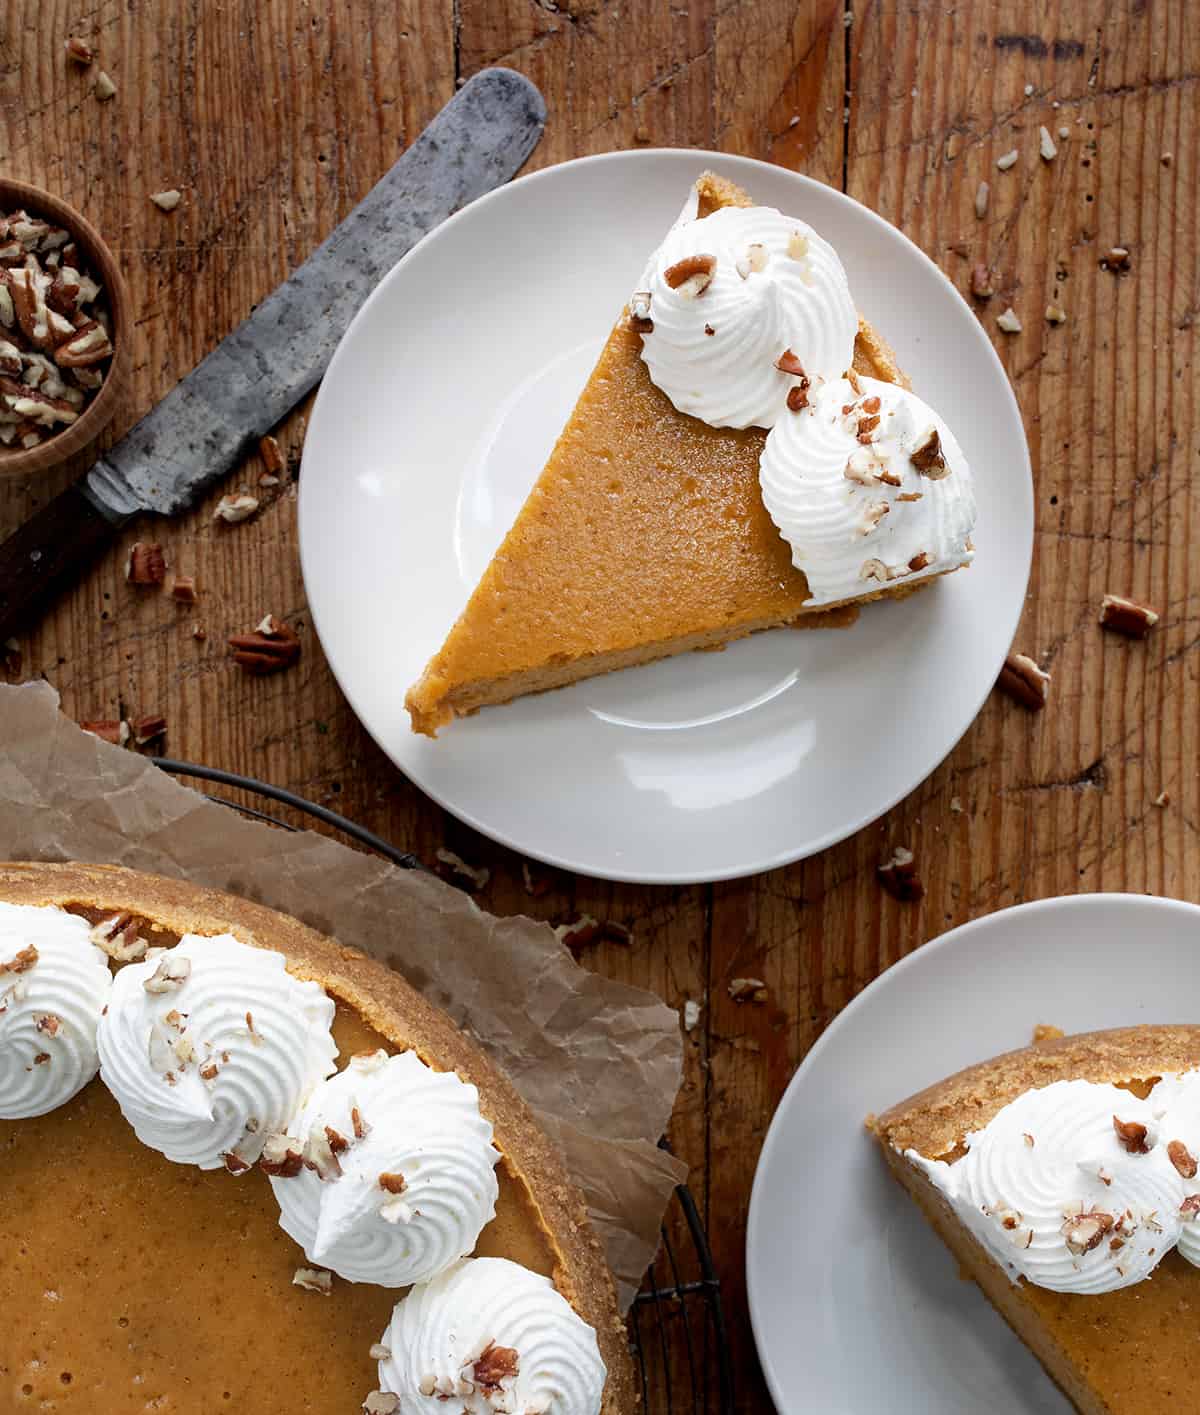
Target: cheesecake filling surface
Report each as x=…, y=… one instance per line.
x=868, y=485
x=211, y=1046
x=726, y=295
x=1082, y=1187
x=54, y=984
x=489, y=1336
x=388, y=1174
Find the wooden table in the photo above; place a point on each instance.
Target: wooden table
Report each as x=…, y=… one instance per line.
x=274, y=117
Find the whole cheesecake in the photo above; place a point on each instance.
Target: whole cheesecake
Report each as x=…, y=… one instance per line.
x=134, y=1281
x=1063, y=1177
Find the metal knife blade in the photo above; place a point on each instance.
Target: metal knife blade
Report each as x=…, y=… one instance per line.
x=205, y=425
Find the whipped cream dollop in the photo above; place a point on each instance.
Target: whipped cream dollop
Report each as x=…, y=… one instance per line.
x=491, y=1336
x=211, y=1046
x=727, y=295
x=1082, y=1187
x=54, y=984
x=868, y=486
x=388, y=1175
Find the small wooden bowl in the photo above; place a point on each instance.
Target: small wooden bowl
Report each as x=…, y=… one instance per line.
x=99, y=261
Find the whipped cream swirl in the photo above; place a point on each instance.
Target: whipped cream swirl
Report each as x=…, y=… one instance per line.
x=492, y=1336
x=412, y=1182
x=1082, y=1187
x=774, y=286
x=54, y=984
x=211, y=1046
x=867, y=487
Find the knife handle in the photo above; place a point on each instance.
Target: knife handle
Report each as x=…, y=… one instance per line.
x=53, y=547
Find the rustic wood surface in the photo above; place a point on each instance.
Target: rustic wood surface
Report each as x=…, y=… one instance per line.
x=273, y=117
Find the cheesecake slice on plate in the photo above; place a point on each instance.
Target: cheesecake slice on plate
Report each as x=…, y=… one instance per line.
x=746, y=454
x=1063, y=1178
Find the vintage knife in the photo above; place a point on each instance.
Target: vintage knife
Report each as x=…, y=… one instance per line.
x=205, y=425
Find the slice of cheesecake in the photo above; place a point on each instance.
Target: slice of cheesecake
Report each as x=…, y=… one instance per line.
x=645, y=535
x=1078, y=1218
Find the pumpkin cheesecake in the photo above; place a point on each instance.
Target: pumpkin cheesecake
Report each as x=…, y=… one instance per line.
x=1063, y=1177
x=746, y=454
x=294, y=1184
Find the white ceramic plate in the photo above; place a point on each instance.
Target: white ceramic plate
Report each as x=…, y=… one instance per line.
x=433, y=422
x=857, y=1306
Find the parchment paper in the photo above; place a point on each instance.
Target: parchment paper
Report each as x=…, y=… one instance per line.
x=599, y=1062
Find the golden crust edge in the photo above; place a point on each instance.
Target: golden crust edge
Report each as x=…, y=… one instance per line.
x=404, y=1018
x=935, y=1120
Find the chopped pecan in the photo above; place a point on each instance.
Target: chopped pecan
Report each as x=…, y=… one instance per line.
x=898, y=875
x=282, y=1157
x=1182, y=1158
x=747, y=990
x=381, y=1402
x=1131, y=1136
x=983, y=287
x=1024, y=681
x=797, y=399
x=183, y=589
x=262, y=653
x=172, y=972
x=927, y=457
x=692, y=275
x=392, y=1183
x=146, y=564
x=787, y=362
x=232, y=509
x=148, y=729
x=455, y=870
x=1126, y=616
x=315, y=1280
x=1087, y=1230
x=494, y=1365
x=80, y=51
x=21, y=961
x=108, y=730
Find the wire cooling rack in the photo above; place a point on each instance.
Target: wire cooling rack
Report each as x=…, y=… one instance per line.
x=676, y=1325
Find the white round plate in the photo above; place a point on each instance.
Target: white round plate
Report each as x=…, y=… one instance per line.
x=435, y=419
x=857, y=1307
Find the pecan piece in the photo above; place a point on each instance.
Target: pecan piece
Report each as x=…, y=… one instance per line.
x=21, y=961
x=787, y=362
x=315, y=1280
x=1182, y=1158
x=983, y=287
x=183, y=589
x=1126, y=616
x=148, y=729
x=692, y=275
x=928, y=457
x=108, y=730
x=146, y=564
x=80, y=51
x=1085, y=1231
x=898, y=875
x=393, y=1183
x=747, y=990
x=282, y=1157
x=1024, y=681
x=171, y=973
x=1131, y=1136
x=494, y=1365
x=261, y=653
